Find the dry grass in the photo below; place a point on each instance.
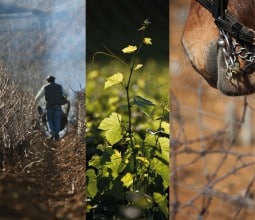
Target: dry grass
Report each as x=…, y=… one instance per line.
x=15, y=117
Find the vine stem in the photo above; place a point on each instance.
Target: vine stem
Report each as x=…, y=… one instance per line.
x=128, y=89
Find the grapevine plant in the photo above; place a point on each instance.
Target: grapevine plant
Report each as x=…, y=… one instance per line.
x=128, y=176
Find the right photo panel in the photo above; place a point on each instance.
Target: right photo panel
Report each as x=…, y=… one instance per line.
x=212, y=85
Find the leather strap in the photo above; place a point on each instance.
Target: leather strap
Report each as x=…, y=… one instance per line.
x=218, y=8
x=235, y=29
x=227, y=22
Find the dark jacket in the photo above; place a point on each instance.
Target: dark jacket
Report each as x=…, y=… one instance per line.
x=54, y=95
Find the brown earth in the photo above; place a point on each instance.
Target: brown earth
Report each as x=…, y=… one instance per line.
x=200, y=120
x=46, y=182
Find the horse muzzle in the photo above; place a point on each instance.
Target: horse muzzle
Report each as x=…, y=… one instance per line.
x=234, y=83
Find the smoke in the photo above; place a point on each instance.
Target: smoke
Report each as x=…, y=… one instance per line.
x=44, y=37
x=65, y=44
x=64, y=57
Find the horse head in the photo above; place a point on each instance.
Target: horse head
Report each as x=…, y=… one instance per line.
x=222, y=57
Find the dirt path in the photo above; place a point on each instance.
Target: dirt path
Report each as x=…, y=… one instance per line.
x=47, y=182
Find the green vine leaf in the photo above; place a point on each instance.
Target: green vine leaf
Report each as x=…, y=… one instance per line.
x=127, y=180
x=114, y=164
x=140, y=199
x=144, y=160
x=162, y=203
x=113, y=80
x=150, y=140
x=145, y=105
x=166, y=127
x=91, y=183
x=95, y=161
x=162, y=169
x=112, y=128
x=165, y=148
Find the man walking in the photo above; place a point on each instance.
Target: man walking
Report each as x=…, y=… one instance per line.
x=54, y=98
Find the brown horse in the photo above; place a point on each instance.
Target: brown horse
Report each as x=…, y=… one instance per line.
x=222, y=57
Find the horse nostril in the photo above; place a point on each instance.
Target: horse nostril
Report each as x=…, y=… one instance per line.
x=221, y=43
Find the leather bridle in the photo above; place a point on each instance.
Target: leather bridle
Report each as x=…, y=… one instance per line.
x=236, y=40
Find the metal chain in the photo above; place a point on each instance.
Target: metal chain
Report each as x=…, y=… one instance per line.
x=231, y=51
x=243, y=52
x=229, y=55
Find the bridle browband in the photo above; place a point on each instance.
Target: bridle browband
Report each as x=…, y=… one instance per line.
x=234, y=38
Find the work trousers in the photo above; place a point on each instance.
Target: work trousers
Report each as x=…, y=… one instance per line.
x=53, y=117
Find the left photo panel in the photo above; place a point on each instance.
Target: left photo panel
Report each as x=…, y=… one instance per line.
x=42, y=109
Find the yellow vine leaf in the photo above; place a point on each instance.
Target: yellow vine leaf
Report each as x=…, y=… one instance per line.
x=113, y=80
x=129, y=49
x=147, y=41
x=138, y=66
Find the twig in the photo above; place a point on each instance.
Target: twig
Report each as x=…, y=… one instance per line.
x=31, y=164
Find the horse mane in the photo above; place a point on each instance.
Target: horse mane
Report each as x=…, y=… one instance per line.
x=245, y=12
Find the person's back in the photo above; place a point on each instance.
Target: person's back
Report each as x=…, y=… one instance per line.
x=53, y=94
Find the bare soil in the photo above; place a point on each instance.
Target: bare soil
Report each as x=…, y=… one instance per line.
x=46, y=182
